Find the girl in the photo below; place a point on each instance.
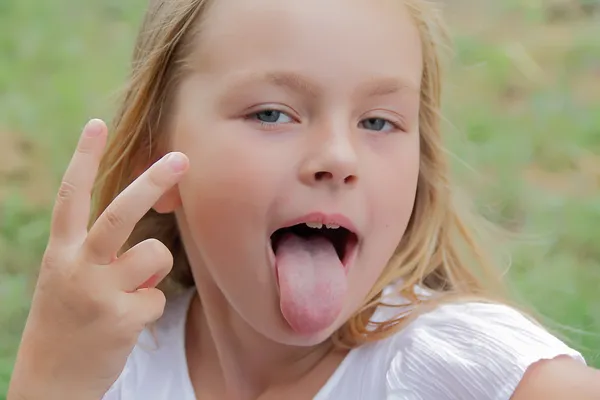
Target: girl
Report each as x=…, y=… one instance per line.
x=315, y=246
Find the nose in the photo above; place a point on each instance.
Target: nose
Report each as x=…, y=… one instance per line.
x=331, y=161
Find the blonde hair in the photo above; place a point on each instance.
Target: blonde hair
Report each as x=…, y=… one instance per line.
x=440, y=249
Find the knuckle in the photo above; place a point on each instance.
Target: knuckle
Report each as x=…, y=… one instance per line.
x=57, y=264
x=119, y=311
x=151, y=307
x=158, y=304
x=147, y=310
x=156, y=178
x=85, y=147
x=51, y=259
x=112, y=309
x=113, y=218
x=65, y=191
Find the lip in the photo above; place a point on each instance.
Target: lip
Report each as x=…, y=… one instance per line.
x=325, y=219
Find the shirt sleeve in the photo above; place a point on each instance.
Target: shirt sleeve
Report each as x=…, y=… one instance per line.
x=469, y=351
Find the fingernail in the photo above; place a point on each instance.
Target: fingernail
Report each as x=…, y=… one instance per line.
x=94, y=128
x=177, y=161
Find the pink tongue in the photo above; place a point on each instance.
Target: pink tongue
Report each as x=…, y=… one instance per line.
x=312, y=282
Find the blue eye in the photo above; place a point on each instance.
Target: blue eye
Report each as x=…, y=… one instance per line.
x=377, y=124
x=272, y=117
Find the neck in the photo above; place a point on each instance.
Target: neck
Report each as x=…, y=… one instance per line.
x=249, y=363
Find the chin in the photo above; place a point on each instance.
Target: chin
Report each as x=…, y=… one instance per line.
x=298, y=340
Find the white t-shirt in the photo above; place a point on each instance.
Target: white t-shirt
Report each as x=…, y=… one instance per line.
x=462, y=351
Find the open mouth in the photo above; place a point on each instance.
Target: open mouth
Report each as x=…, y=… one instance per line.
x=343, y=240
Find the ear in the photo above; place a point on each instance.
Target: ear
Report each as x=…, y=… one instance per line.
x=169, y=201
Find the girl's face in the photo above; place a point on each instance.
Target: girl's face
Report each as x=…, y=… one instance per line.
x=298, y=112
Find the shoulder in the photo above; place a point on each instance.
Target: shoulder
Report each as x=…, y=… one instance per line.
x=562, y=379
x=474, y=350
x=156, y=367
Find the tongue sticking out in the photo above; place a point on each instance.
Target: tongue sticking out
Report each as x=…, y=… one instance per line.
x=312, y=282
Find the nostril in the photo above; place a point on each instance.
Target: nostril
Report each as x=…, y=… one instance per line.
x=350, y=179
x=323, y=175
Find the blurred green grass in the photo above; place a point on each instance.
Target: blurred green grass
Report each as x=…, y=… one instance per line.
x=523, y=94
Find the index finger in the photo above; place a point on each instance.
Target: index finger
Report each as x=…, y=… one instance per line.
x=118, y=220
x=72, y=207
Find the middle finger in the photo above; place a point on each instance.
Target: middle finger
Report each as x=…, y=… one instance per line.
x=115, y=224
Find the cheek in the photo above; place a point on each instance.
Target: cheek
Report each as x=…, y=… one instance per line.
x=229, y=184
x=396, y=202
x=226, y=163
x=391, y=195
x=393, y=188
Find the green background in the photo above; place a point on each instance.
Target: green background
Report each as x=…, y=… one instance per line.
x=522, y=96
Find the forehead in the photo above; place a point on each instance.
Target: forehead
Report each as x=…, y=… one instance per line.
x=316, y=37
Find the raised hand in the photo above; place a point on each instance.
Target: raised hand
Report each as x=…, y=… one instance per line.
x=89, y=306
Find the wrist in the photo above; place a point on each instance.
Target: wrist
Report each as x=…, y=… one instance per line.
x=28, y=386
x=39, y=391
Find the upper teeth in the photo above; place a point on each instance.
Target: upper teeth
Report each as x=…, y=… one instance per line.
x=318, y=225
x=315, y=225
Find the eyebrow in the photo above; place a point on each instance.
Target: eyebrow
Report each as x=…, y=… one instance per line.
x=297, y=83
x=294, y=82
x=383, y=86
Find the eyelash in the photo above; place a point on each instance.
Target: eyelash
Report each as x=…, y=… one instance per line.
x=268, y=125
x=394, y=125
x=397, y=123
x=271, y=125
